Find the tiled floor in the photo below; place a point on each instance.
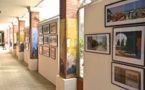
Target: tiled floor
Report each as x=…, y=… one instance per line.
x=14, y=75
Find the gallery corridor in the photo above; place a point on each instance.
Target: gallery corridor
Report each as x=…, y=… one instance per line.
x=14, y=75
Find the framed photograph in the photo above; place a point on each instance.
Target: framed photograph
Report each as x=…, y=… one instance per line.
x=27, y=46
x=40, y=30
x=27, y=40
x=46, y=51
x=97, y=43
x=53, y=28
x=40, y=50
x=53, y=53
x=128, y=77
x=46, y=29
x=40, y=40
x=128, y=44
x=53, y=39
x=46, y=39
x=125, y=12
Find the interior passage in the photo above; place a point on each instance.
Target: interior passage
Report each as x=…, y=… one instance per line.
x=14, y=75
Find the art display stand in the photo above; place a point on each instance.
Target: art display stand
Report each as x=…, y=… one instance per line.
x=21, y=56
x=65, y=84
x=33, y=64
x=26, y=55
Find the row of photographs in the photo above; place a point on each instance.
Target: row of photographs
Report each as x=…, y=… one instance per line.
x=47, y=51
x=48, y=29
x=51, y=40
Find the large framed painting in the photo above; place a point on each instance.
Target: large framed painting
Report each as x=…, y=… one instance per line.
x=34, y=48
x=40, y=40
x=128, y=44
x=53, y=28
x=46, y=39
x=46, y=29
x=46, y=51
x=128, y=77
x=97, y=43
x=53, y=40
x=125, y=12
x=40, y=30
x=40, y=50
x=53, y=53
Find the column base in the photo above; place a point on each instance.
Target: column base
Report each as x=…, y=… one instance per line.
x=21, y=56
x=32, y=64
x=65, y=84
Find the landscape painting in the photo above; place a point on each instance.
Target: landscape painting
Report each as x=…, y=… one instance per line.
x=34, y=43
x=98, y=43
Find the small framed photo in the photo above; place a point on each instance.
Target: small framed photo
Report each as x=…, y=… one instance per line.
x=40, y=50
x=97, y=43
x=40, y=30
x=46, y=51
x=129, y=44
x=128, y=77
x=46, y=39
x=53, y=53
x=27, y=46
x=26, y=39
x=125, y=12
x=53, y=28
x=53, y=40
x=40, y=40
x=46, y=29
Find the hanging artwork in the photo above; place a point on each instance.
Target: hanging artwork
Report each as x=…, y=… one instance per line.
x=46, y=29
x=53, y=28
x=34, y=42
x=53, y=53
x=46, y=51
x=53, y=40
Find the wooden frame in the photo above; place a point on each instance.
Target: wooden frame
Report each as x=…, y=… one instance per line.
x=46, y=39
x=125, y=12
x=53, y=53
x=46, y=51
x=53, y=40
x=46, y=29
x=129, y=44
x=128, y=77
x=40, y=40
x=97, y=43
x=53, y=28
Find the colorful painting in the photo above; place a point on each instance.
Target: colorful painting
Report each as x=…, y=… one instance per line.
x=46, y=39
x=129, y=44
x=125, y=12
x=128, y=77
x=46, y=29
x=99, y=43
x=46, y=51
x=53, y=28
x=34, y=42
x=53, y=40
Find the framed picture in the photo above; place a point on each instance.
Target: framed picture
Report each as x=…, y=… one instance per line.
x=53, y=28
x=125, y=12
x=53, y=53
x=128, y=77
x=53, y=39
x=27, y=40
x=97, y=43
x=46, y=51
x=46, y=39
x=40, y=40
x=40, y=50
x=27, y=46
x=40, y=30
x=128, y=44
x=46, y=29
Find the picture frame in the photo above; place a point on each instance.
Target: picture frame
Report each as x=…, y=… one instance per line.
x=27, y=40
x=124, y=12
x=53, y=40
x=127, y=77
x=45, y=29
x=40, y=40
x=40, y=30
x=53, y=52
x=53, y=28
x=129, y=44
x=40, y=50
x=27, y=46
x=97, y=43
x=46, y=39
x=46, y=51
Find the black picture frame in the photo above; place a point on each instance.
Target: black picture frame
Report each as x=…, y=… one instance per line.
x=53, y=40
x=129, y=45
x=53, y=52
x=46, y=51
x=53, y=28
x=97, y=43
x=46, y=29
x=124, y=12
x=127, y=77
x=46, y=39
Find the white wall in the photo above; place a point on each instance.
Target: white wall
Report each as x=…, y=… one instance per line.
x=97, y=67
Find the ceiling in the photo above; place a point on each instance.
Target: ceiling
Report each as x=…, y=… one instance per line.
x=10, y=9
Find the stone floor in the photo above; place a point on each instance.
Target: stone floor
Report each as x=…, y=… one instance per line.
x=14, y=75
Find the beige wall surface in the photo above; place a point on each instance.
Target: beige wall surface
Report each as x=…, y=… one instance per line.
x=97, y=67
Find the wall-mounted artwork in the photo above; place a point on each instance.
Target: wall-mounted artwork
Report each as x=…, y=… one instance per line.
x=46, y=51
x=125, y=12
x=46, y=39
x=27, y=40
x=53, y=53
x=128, y=44
x=97, y=43
x=40, y=40
x=46, y=29
x=53, y=28
x=128, y=77
x=40, y=50
x=40, y=30
x=53, y=40
x=34, y=43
